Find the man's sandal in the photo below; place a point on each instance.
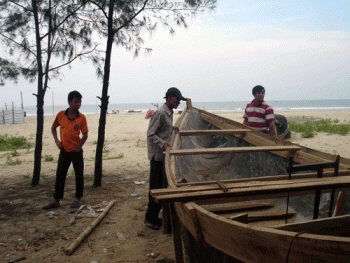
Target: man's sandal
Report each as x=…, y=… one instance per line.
x=75, y=204
x=51, y=206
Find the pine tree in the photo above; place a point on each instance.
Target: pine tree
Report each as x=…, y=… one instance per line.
x=122, y=22
x=41, y=37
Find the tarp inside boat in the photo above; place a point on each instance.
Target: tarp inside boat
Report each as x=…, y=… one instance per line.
x=213, y=167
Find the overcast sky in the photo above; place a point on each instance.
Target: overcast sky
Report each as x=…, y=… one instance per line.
x=297, y=50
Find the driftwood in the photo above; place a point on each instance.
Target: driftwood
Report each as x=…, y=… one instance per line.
x=69, y=251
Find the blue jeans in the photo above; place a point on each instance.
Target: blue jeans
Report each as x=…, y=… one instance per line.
x=64, y=161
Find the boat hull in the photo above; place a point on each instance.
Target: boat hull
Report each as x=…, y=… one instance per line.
x=225, y=240
x=210, y=237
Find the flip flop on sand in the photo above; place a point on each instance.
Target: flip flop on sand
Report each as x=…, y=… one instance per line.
x=51, y=206
x=75, y=204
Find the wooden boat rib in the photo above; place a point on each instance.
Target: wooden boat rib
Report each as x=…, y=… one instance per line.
x=235, y=218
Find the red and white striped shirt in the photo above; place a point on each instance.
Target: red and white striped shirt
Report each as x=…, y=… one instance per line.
x=258, y=116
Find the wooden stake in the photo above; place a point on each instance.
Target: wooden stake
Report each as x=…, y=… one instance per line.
x=69, y=251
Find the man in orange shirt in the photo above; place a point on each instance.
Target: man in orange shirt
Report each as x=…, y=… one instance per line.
x=71, y=123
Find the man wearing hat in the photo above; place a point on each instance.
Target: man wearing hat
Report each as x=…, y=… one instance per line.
x=158, y=136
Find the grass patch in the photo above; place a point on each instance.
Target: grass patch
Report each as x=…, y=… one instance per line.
x=12, y=143
x=309, y=128
x=48, y=158
x=14, y=153
x=12, y=162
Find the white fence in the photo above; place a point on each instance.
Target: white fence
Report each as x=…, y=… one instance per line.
x=11, y=116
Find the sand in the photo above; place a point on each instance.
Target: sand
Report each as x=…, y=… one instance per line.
x=28, y=231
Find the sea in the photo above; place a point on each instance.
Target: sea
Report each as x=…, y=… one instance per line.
x=214, y=107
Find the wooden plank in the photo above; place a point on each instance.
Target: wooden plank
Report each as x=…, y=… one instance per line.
x=230, y=150
x=261, y=189
x=166, y=216
x=196, y=227
x=176, y=235
x=170, y=169
x=236, y=208
x=265, y=178
x=189, y=219
x=213, y=132
x=184, y=121
x=239, y=185
x=189, y=104
x=269, y=216
x=230, y=199
x=333, y=226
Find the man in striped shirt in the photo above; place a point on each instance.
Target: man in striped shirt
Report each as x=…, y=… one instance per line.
x=258, y=114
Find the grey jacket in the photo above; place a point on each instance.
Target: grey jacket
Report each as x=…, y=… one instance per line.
x=159, y=132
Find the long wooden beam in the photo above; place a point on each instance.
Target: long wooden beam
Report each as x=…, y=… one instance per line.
x=234, y=150
x=236, y=208
x=241, y=184
x=263, y=188
x=182, y=183
x=269, y=216
x=213, y=132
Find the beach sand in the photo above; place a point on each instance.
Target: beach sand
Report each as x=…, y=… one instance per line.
x=28, y=231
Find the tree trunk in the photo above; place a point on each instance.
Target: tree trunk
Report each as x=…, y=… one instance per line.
x=104, y=100
x=39, y=140
x=40, y=102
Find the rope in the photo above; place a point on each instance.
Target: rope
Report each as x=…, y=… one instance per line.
x=291, y=242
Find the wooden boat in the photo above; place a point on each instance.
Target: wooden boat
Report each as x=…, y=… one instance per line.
x=237, y=195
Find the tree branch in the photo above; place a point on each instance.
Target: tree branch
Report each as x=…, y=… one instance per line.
x=77, y=56
x=18, y=44
x=132, y=18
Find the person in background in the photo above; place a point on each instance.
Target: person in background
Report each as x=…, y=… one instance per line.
x=158, y=136
x=258, y=114
x=71, y=123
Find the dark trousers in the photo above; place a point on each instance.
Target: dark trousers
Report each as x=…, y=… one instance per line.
x=157, y=180
x=64, y=161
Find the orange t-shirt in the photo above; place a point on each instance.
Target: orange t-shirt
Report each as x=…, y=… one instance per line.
x=70, y=129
